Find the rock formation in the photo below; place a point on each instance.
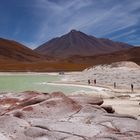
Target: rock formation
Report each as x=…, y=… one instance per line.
x=43, y=116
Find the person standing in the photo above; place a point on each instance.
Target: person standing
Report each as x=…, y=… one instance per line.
x=132, y=87
x=94, y=81
x=88, y=81
x=114, y=84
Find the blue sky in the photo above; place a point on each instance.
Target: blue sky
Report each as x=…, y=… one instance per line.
x=33, y=22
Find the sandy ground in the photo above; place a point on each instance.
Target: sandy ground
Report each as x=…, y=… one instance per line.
x=123, y=100
x=124, y=74
x=127, y=106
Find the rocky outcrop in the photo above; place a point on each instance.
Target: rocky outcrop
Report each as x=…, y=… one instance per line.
x=43, y=116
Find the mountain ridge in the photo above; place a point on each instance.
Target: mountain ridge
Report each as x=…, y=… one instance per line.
x=129, y=54
x=10, y=49
x=78, y=43
x=16, y=57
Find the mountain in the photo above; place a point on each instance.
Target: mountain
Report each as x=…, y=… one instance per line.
x=14, y=51
x=16, y=57
x=73, y=63
x=129, y=54
x=78, y=43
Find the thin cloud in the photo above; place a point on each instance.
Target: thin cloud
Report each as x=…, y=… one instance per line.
x=101, y=21
x=46, y=19
x=123, y=34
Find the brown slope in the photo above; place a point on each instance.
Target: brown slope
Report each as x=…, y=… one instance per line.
x=16, y=57
x=74, y=63
x=44, y=66
x=130, y=54
x=14, y=51
x=78, y=43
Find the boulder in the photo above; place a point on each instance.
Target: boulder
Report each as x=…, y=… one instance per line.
x=108, y=108
x=82, y=99
x=59, y=117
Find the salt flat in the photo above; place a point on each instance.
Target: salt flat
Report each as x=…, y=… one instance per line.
x=123, y=100
x=123, y=73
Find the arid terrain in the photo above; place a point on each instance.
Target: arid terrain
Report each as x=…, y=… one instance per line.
x=14, y=51
x=79, y=43
x=130, y=54
x=17, y=57
x=99, y=114
x=69, y=69
x=41, y=116
x=123, y=73
x=104, y=113
x=121, y=97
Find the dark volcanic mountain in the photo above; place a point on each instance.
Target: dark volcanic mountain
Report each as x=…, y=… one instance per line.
x=78, y=43
x=11, y=50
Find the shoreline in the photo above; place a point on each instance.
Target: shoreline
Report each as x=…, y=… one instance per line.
x=28, y=73
x=122, y=100
x=118, y=98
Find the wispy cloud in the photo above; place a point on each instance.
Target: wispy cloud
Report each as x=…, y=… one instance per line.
x=89, y=16
x=129, y=32
x=116, y=19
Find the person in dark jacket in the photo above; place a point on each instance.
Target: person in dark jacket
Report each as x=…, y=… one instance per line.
x=132, y=87
x=88, y=81
x=94, y=81
x=114, y=84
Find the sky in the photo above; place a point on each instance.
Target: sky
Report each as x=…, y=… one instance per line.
x=33, y=22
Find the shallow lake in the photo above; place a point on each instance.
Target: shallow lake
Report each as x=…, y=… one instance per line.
x=36, y=82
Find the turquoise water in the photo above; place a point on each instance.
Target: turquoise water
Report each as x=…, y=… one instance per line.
x=20, y=83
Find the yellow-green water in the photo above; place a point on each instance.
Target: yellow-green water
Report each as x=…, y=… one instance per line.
x=25, y=82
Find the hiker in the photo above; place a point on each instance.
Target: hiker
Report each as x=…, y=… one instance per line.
x=132, y=87
x=88, y=81
x=114, y=84
x=94, y=81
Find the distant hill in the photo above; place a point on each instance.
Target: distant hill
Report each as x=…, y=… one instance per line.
x=129, y=54
x=17, y=57
x=14, y=51
x=78, y=43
